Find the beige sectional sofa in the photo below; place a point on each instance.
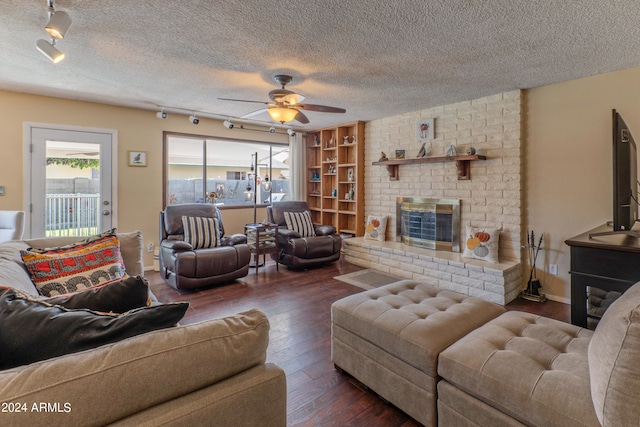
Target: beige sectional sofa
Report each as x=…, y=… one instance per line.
x=208, y=373
x=513, y=369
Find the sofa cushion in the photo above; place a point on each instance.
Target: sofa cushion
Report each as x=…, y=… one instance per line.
x=532, y=368
x=201, y=232
x=12, y=270
x=614, y=362
x=33, y=330
x=74, y=267
x=300, y=222
x=118, y=296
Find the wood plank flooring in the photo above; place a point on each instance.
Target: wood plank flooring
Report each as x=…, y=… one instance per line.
x=297, y=304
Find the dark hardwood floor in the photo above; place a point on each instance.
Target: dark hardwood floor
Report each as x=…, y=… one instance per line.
x=297, y=304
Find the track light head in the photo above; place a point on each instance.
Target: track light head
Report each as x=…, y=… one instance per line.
x=291, y=132
x=194, y=120
x=58, y=24
x=272, y=129
x=49, y=50
x=161, y=114
x=228, y=124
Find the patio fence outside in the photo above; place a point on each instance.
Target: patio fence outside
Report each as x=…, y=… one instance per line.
x=72, y=214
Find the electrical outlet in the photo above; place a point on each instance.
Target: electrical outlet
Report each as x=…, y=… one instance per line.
x=150, y=247
x=553, y=269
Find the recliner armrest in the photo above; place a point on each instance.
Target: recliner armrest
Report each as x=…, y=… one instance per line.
x=176, y=245
x=234, y=239
x=325, y=230
x=289, y=234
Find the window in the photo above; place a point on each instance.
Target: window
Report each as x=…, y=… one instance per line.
x=211, y=170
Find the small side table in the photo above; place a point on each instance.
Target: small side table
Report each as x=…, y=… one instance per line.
x=262, y=240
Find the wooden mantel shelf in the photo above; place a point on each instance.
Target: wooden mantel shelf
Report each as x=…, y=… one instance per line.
x=463, y=164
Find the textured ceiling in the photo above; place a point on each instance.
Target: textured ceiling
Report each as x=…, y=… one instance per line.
x=376, y=58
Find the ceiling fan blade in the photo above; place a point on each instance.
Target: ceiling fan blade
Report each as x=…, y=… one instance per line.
x=293, y=98
x=301, y=118
x=255, y=113
x=243, y=100
x=321, y=108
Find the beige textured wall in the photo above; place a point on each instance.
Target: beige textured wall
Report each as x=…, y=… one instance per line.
x=139, y=189
x=568, y=180
x=493, y=196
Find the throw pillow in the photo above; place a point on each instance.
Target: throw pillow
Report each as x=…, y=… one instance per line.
x=119, y=296
x=201, y=232
x=32, y=330
x=71, y=268
x=482, y=243
x=376, y=228
x=300, y=222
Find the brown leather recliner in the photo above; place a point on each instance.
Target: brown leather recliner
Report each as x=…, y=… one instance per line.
x=301, y=252
x=182, y=267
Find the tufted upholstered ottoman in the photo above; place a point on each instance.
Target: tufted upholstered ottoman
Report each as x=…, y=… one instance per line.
x=389, y=339
x=518, y=368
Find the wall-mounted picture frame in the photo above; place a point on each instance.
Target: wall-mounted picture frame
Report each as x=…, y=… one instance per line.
x=137, y=158
x=425, y=129
x=400, y=154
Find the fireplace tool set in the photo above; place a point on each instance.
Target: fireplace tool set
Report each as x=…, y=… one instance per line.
x=532, y=293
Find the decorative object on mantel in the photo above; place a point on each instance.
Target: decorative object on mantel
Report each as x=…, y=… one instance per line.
x=383, y=157
x=532, y=293
x=463, y=164
x=423, y=150
x=425, y=129
x=451, y=151
x=471, y=151
x=400, y=154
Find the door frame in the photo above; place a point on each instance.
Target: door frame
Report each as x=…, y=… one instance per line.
x=27, y=172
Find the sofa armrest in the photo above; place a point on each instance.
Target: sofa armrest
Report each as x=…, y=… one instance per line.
x=137, y=373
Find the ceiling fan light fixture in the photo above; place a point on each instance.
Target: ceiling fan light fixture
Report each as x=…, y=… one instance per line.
x=282, y=114
x=50, y=51
x=58, y=24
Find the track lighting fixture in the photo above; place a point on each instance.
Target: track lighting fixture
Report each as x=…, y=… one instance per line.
x=194, y=120
x=161, y=114
x=291, y=132
x=58, y=24
x=228, y=124
x=49, y=50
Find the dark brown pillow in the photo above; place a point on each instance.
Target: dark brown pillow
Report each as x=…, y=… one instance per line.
x=115, y=297
x=31, y=331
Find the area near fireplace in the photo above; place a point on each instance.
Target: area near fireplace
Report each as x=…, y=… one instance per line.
x=492, y=198
x=429, y=223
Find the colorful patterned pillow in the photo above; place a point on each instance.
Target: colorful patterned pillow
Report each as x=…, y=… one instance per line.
x=201, y=232
x=376, y=227
x=300, y=222
x=482, y=243
x=72, y=268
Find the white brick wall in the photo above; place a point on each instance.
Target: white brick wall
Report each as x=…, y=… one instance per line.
x=498, y=283
x=493, y=196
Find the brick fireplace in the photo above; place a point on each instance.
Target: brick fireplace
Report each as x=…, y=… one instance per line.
x=491, y=198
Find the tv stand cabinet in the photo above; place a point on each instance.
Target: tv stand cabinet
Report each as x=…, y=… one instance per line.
x=601, y=259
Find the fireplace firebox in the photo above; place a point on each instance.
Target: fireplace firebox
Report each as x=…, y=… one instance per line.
x=429, y=223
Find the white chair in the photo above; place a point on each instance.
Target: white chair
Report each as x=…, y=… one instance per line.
x=11, y=225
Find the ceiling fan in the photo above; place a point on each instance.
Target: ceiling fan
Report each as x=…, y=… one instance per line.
x=285, y=105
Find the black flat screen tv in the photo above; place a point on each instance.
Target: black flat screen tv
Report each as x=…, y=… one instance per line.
x=625, y=176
